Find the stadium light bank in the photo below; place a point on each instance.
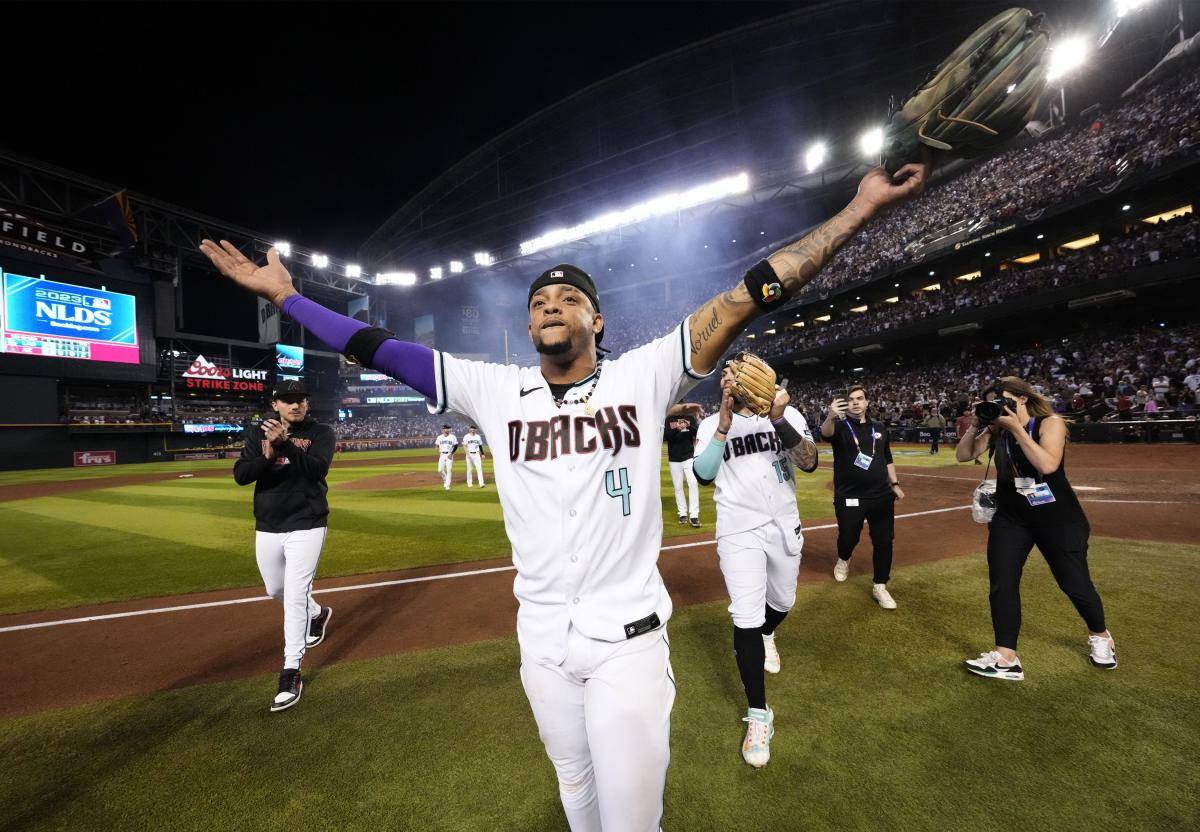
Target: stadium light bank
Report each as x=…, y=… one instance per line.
x=658, y=207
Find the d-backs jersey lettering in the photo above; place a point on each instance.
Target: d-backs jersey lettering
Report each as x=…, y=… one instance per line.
x=446, y=444
x=755, y=483
x=473, y=444
x=579, y=485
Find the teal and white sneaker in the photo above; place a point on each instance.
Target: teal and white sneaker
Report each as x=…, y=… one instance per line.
x=993, y=666
x=756, y=748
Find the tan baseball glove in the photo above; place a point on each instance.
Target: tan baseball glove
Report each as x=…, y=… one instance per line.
x=753, y=382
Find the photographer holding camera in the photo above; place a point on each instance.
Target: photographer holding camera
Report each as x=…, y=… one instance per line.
x=1035, y=506
x=865, y=487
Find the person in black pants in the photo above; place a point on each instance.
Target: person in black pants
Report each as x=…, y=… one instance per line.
x=1035, y=506
x=865, y=487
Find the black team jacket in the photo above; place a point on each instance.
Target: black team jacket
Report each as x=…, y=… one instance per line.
x=289, y=490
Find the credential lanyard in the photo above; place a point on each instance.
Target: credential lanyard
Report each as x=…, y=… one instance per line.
x=854, y=436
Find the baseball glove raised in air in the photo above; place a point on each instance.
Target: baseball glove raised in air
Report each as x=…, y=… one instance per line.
x=981, y=96
x=753, y=382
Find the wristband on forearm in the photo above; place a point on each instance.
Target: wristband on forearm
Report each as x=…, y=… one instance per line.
x=765, y=287
x=788, y=435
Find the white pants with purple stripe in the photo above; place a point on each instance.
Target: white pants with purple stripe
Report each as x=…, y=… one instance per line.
x=288, y=563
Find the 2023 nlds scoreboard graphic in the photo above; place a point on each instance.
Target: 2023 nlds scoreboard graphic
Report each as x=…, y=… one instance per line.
x=60, y=320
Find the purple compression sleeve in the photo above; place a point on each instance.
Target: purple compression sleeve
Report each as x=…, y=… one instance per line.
x=410, y=363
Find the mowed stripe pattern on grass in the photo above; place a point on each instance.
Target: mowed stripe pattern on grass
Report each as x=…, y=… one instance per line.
x=196, y=534
x=877, y=727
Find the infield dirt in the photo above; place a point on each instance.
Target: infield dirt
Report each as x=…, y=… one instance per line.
x=1133, y=492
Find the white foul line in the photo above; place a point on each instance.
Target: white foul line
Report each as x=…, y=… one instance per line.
x=377, y=584
x=811, y=528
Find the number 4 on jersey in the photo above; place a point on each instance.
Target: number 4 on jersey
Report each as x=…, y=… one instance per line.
x=610, y=485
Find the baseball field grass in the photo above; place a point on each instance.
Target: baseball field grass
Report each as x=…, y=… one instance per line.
x=194, y=533
x=877, y=725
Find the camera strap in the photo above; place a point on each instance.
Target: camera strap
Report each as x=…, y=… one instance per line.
x=1009, y=450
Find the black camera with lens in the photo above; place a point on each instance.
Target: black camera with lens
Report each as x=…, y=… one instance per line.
x=988, y=412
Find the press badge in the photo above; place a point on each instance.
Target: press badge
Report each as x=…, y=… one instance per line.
x=1024, y=485
x=863, y=461
x=1040, y=495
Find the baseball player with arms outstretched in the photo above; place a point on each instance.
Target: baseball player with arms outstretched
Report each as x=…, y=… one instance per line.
x=446, y=444
x=750, y=458
x=579, y=486
x=473, y=442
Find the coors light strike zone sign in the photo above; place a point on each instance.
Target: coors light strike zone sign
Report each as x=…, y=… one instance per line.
x=204, y=375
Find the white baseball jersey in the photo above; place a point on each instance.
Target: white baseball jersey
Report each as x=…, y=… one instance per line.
x=446, y=444
x=754, y=485
x=473, y=442
x=579, y=485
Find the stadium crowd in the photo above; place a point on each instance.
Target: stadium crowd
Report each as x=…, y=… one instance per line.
x=414, y=422
x=1139, y=134
x=1150, y=371
x=1145, y=245
x=1146, y=371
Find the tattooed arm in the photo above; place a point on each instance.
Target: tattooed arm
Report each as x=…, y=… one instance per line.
x=719, y=321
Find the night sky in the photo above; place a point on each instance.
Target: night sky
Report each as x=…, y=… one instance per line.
x=309, y=121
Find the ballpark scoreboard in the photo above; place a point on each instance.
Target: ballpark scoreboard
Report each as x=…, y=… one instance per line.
x=61, y=320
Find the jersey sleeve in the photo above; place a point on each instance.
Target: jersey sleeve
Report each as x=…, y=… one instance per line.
x=467, y=386
x=668, y=361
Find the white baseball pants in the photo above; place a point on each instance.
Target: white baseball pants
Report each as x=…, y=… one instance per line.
x=681, y=471
x=760, y=567
x=445, y=466
x=476, y=461
x=288, y=564
x=604, y=715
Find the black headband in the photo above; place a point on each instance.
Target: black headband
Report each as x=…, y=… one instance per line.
x=571, y=276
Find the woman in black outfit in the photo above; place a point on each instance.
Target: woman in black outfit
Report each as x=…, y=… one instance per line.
x=1036, y=506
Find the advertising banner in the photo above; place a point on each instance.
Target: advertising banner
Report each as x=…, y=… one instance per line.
x=203, y=374
x=43, y=317
x=268, y=322
x=83, y=458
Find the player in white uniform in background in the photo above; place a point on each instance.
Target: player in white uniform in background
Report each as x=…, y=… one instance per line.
x=473, y=442
x=446, y=444
x=579, y=483
x=759, y=541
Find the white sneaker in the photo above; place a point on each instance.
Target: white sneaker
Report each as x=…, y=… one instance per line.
x=756, y=748
x=841, y=570
x=991, y=666
x=880, y=593
x=771, y=663
x=1103, y=652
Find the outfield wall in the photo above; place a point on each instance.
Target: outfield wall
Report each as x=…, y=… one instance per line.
x=65, y=446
